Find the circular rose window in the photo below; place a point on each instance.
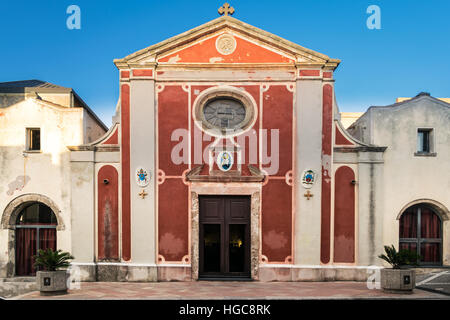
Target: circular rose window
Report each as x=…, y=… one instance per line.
x=224, y=112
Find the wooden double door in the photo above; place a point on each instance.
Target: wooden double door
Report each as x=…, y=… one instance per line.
x=224, y=241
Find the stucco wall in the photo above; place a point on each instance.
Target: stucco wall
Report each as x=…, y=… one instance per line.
x=92, y=128
x=308, y=156
x=45, y=173
x=407, y=177
x=63, y=99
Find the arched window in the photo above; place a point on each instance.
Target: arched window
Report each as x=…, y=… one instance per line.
x=35, y=229
x=420, y=231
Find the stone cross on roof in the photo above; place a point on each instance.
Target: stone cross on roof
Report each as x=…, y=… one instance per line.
x=226, y=9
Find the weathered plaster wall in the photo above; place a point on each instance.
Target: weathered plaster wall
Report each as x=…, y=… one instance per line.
x=368, y=220
x=407, y=177
x=361, y=128
x=83, y=206
x=370, y=207
x=47, y=172
x=8, y=99
x=92, y=129
x=63, y=99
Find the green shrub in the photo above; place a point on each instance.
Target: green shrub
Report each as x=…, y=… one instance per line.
x=400, y=258
x=50, y=260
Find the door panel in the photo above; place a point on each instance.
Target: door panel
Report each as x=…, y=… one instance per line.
x=213, y=209
x=236, y=247
x=239, y=209
x=224, y=236
x=212, y=247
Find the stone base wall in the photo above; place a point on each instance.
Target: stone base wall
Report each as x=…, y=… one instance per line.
x=121, y=272
x=175, y=273
x=115, y=272
x=314, y=273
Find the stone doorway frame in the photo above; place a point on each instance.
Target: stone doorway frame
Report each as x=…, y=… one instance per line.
x=8, y=222
x=222, y=189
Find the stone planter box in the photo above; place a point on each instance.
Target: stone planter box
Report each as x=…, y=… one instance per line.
x=52, y=282
x=398, y=280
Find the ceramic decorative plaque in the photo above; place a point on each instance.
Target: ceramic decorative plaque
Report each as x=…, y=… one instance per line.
x=308, y=178
x=142, y=177
x=225, y=160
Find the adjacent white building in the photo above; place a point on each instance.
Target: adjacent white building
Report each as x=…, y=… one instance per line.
x=38, y=120
x=415, y=176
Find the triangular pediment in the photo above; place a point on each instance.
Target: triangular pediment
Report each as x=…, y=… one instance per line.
x=226, y=41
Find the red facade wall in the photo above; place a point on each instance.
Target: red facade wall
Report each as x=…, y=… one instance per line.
x=126, y=204
x=253, y=90
x=344, y=216
x=124, y=74
x=246, y=52
x=327, y=126
x=113, y=139
x=173, y=206
x=108, y=213
x=309, y=73
x=142, y=72
x=340, y=139
x=173, y=113
x=276, y=199
x=277, y=114
x=206, y=139
x=276, y=220
x=173, y=220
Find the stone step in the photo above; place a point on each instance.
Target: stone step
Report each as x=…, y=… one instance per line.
x=18, y=279
x=12, y=289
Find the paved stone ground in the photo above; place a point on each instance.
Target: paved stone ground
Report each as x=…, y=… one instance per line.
x=437, y=280
x=230, y=290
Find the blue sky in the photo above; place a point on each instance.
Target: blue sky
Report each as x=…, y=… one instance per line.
x=408, y=55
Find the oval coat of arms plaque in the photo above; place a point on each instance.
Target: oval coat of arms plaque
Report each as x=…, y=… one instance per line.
x=142, y=177
x=308, y=178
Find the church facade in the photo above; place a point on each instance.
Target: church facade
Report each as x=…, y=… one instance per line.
x=227, y=159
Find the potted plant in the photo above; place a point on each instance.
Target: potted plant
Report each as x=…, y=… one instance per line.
x=400, y=278
x=51, y=280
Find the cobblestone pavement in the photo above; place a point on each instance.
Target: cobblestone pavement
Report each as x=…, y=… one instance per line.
x=230, y=290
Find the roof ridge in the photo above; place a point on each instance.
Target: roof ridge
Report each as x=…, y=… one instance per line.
x=212, y=26
x=417, y=97
x=31, y=83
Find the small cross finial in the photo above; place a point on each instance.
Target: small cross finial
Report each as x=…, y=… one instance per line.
x=143, y=194
x=226, y=10
x=308, y=194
